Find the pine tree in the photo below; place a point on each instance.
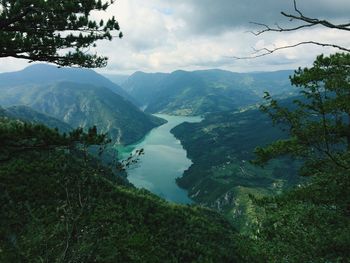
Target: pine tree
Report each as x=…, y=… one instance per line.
x=56, y=31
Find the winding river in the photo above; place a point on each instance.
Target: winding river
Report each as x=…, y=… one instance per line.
x=164, y=160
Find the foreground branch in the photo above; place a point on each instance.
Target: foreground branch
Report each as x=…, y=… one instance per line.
x=267, y=51
x=307, y=22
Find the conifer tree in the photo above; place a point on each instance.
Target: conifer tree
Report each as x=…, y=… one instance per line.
x=56, y=31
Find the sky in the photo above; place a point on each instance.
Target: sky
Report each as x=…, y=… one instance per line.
x=167, y=35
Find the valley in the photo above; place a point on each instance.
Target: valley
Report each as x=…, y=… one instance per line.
x=221, y=176
x=208, y=163
x=163, y=162
x=174, y=131
x=196, y=170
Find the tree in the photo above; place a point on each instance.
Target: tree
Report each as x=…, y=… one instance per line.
x=56, y=31
x=319, y=120
x=311, y=222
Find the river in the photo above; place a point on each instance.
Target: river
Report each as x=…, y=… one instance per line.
x=164, y=160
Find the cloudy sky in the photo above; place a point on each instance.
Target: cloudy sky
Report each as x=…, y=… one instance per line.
x=165, y=35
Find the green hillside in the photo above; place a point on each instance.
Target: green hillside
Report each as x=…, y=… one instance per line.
x=201, y=92
x=221, y=176
x=144, y=86
x=27, y=114
x=59, y=206
x=83, y=105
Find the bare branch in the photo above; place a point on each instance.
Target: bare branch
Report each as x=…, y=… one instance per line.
x=307, y=22
x=277, y=29
x=266, y=51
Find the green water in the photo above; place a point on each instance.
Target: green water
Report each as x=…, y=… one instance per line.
x=164, y=161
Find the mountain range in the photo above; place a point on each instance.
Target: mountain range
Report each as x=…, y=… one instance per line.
x=80, y=98
x=39, y=74
x=204, y=91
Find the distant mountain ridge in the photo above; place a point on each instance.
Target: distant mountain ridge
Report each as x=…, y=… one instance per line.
x=118, y=79
x=204, y=91
x=47, y=74
x=78, y=104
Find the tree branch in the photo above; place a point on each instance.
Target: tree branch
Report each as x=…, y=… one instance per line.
x=267, y=51
x=307, y=22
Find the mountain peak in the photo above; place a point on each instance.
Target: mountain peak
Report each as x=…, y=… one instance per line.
x=44, y=74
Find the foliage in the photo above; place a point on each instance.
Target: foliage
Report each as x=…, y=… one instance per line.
x=311, y=223
x=222, y=177
x=27, y=114
x=57, y=31
x=18, y=137
x=308, y=224
x=59, y=207
x=318, y=124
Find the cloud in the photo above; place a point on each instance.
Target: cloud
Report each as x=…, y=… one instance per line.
x=209, y=17
x=166, y=35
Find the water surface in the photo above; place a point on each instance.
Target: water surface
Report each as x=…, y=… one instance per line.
x=164, y=160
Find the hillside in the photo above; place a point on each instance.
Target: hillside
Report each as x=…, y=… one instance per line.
x=67, y=208
x=201, y=92
x=221, y=176
x=27, y=114
x=144, y=86
x=116, y=78
x=84, y=105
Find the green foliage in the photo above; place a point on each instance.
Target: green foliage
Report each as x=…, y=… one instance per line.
x=57, y=31
x=18, y=137
x=221, y=176
x=311, y=223
x=56, y=206
x=318, y=123
x=308, y=224
x=27, y=114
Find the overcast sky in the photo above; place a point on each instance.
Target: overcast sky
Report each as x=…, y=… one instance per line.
x=166, y=35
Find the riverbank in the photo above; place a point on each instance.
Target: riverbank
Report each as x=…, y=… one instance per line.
x=165, y=160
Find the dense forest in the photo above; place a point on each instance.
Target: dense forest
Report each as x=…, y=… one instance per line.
x=60, y=205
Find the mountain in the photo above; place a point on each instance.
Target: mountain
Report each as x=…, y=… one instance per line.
x=116, y=78
x=40, y=74
x=27, y=114
x=144, y=86
x=204, y=91
x=221, y=176
x=84, y=105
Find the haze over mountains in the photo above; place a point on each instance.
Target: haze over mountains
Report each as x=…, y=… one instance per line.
x=220, y=147
x=38, y=74
x=83, y=98
x=79, y=98
x=204, y=91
